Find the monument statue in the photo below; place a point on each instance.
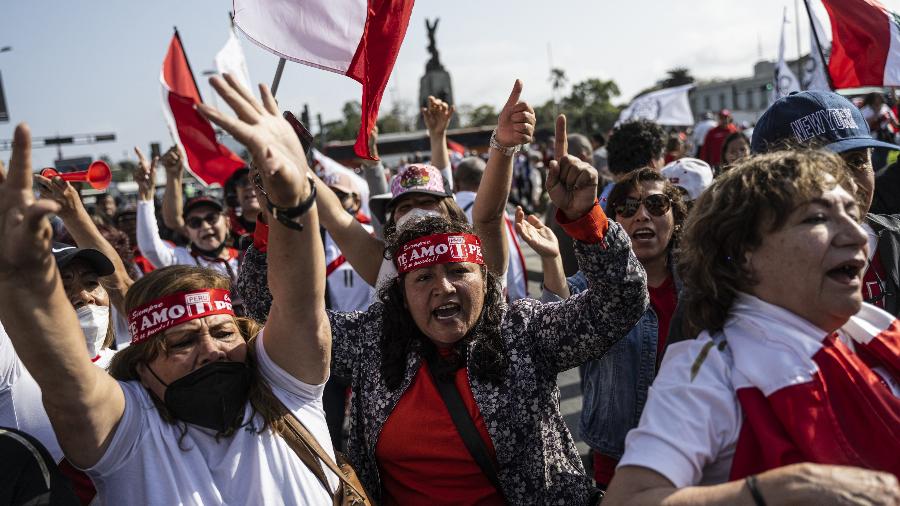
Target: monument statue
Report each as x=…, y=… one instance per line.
x=436, y=81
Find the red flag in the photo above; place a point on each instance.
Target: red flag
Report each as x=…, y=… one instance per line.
x=357, y=38
x=208, y=161
x=456, y=147
x=865, y=49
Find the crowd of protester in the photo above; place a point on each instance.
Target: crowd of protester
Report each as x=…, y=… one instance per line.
x=729, y=294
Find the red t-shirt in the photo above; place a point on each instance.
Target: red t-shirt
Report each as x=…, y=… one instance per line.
x=421, y=456
x=711, y=152
x=873, y=282
x=663, y=299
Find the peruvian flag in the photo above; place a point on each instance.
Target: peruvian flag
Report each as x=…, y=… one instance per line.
x=865, y=47
x=357, y=38
x=208, y=161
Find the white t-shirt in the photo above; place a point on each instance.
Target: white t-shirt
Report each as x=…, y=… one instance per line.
x=21, y=406
x=20, y=399
x=347, y=291
x=516, y=281
x=689, y=428
x=145, y=464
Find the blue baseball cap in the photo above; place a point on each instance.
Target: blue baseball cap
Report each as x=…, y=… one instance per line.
x=820, y=117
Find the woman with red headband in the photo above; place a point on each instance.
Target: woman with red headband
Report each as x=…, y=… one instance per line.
x=454, y=392
x=197, y=413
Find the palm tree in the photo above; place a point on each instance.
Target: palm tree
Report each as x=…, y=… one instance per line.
x=558, y=81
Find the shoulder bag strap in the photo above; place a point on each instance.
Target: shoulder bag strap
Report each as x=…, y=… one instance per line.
x=464, y=424
x=310, y=441
x=293, y=439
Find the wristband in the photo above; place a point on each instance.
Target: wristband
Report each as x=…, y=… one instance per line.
x=287, y=215
x=754, y=490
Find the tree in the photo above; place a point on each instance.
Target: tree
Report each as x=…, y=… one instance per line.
x=348, y=127
x=397, y=119
x=589, y=106
x=483, y=115
x=558, y=81
x=676, y=77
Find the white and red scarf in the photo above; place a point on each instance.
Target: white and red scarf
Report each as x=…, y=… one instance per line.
x=811, y=396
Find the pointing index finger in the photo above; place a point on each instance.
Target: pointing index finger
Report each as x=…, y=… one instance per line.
x=561, y=137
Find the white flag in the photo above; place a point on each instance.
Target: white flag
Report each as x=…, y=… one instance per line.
x=231, y=59
x=814, y=77
x=785, y=79
x=669, y=106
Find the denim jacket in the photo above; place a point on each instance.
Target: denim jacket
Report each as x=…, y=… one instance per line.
x=615, y=385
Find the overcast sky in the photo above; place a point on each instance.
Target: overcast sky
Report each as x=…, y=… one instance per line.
x=86, y=67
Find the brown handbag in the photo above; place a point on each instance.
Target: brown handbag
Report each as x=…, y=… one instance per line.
x=350, y=491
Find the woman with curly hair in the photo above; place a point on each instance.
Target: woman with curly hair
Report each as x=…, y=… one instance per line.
x=442, y=323
x=791, y=392
x=443, y=320
x=651, y=211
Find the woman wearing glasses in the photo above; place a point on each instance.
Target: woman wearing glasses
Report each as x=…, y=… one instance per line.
x=204, y=225
x=651, y=211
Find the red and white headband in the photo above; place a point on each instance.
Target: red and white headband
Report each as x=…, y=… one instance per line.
x=175, y=309
x=439, y=249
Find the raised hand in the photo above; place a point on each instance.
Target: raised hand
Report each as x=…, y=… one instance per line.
x=437, y=116
x=26, y=234
x=539, y=236
x=515, y=125
x=172, y=162
x=276, y=150
x=145, y=175
x=61, y=192
x=571, y=183
x=373, y=141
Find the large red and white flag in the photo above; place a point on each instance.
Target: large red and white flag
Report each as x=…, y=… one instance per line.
x=865, y=47
x=205, y=158
x=357, y=38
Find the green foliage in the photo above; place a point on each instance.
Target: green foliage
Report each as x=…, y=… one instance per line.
x=483, y=115
x=397, y=119
x=676, y=77
x=588, y=108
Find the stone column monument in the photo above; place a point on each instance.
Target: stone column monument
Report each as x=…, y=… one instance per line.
x=436, y=81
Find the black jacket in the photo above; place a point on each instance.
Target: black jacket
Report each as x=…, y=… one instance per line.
x=887, y=227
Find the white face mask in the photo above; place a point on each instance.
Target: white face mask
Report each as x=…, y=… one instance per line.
x=94, y=322
x=417, y=214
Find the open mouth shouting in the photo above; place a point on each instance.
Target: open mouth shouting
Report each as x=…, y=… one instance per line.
x=847, y=273
x=446, y=311
x=643, y=234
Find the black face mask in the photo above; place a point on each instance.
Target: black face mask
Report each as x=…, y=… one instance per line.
x=212, y=396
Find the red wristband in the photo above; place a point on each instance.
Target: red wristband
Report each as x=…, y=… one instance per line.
x=588, y=229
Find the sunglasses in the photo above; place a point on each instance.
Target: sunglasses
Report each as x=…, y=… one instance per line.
x=197, y=221
x=656, y=204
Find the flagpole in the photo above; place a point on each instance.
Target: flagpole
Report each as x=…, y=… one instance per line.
x=278, y=72
x=188, y=62
x=812, y=27
x=799, y=49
